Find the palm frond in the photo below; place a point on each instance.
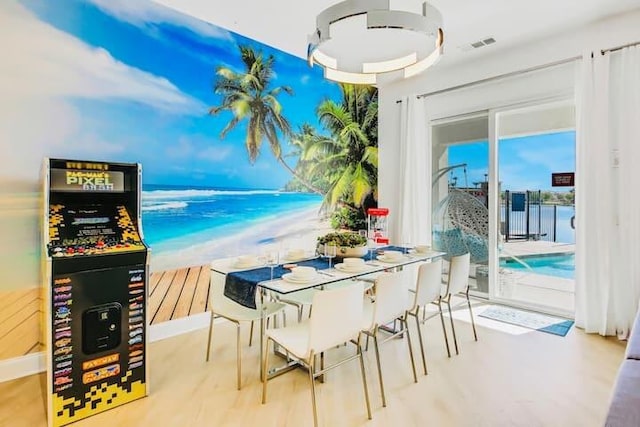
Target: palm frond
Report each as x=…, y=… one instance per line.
x=371, y=156
x=272, y=136
x=341, y=187
x=352, y=132
x=360, y=186
x=229, y=127
x=253, y=139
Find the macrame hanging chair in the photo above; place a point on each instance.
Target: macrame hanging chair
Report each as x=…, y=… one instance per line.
x=460, y=223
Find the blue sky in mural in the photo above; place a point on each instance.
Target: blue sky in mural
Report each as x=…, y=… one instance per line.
x=173, y=59
x=525, y=163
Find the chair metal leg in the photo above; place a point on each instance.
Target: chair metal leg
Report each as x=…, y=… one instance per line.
x=453, y=328
x=262, y=329
x=377, y=351
x=404, y=322
x=239, y=356
x=209, y=339
x=313, y=388
x=251, y=334
x=473, y=323
x=265, y=369
x=444, y=329
x=322, y=377
x=424, y=360
x=364, y=378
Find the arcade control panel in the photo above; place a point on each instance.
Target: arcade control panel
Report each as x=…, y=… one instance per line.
x=91, y=230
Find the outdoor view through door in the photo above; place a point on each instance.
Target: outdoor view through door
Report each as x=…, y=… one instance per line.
x=536, y=241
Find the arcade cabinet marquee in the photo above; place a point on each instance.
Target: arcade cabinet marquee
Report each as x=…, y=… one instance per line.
x=95, y=288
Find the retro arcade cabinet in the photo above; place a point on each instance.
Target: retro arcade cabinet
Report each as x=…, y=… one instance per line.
x=95, y=289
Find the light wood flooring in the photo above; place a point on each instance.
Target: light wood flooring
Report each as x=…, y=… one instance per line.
x=510, y=377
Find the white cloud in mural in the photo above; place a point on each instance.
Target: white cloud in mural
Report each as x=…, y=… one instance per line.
x=43, y=70
x=192, y=148
x=215, y=154
x=140, y=13
x=47, y=62
x=182, y=150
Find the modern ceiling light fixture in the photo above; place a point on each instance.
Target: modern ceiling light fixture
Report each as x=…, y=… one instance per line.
x=356, y=40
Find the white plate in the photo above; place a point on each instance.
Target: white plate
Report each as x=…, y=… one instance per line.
x=288, y=277
x=390, y=261
x=342, y=267
x=242, y=266
x=419, y=254
x=295, y=259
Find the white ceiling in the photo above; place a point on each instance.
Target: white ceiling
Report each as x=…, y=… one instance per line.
x=285, y=24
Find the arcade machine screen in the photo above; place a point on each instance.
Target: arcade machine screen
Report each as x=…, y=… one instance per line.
x=91, y=230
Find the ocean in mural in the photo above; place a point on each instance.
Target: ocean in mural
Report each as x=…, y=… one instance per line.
x=187, y=226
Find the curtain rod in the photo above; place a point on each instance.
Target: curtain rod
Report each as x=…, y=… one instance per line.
x=500, y=76
x=614, y=49
x=518, y=72
x=496, y=77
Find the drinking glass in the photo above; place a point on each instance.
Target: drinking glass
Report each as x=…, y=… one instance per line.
x=330, y=252
x=405, y=247
x=371, y=246
x=272, y=260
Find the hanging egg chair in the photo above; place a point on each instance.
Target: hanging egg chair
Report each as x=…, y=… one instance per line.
x=461, y=224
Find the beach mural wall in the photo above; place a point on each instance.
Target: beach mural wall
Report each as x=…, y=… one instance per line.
x=241, y=145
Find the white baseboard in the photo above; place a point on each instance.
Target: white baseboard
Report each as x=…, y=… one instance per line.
x=34, y=363
x=22, y=366
x=181, y=326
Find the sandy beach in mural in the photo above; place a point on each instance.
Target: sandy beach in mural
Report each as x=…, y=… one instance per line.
x=296, y=230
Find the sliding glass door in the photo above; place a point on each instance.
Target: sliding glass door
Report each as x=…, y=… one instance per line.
x=494, y=195
x=460, y=193
x=535, y=244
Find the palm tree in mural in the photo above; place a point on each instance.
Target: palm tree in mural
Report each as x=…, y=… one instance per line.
x=347, y=159
x=309, y=148
x=249, y=96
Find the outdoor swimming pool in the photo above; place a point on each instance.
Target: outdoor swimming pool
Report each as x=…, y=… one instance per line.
x=562, y=265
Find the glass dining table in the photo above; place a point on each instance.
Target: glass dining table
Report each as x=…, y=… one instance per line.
x=242, y=283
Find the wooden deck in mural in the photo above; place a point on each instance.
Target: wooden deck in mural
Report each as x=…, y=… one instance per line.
x=19, y=322
x=174, y=294
x=178, y=293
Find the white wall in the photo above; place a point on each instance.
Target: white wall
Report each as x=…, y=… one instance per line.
x=558, y=81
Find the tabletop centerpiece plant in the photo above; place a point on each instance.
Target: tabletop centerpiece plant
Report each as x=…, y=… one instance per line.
x=348, y=243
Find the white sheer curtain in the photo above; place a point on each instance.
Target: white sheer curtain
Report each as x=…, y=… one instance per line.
x=414, y=193
x=607, y=202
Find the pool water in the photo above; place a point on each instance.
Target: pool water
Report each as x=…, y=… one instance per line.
x=549, y=265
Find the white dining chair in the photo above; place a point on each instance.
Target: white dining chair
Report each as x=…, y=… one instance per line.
x=304, y=298
x=458, y=283
x=428, y=291
x=336, y=319
x=222, y=306
x=388, y=306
